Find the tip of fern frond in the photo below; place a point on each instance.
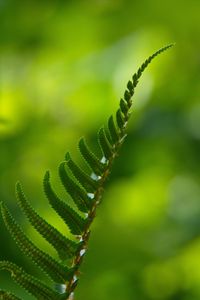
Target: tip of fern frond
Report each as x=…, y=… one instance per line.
x=171, y=45
x=163, y=49
x=168, y=46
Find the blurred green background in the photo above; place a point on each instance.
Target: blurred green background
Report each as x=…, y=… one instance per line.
x=63, y=68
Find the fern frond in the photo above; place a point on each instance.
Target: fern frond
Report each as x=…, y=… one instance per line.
x=74, y=221
x=8, y=296
x=117, y=136
x=65, y=247
x=113, y=131
x=50, y=266
x=79, y=196
x=105, y=144
x=32, y=285
x=94, y=163
x=86, y=194
x=89, y=184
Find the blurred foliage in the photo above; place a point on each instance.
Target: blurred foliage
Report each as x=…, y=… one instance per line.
x=63, y=67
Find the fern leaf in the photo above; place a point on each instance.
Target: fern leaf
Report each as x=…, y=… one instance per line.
x=127, y=96
x=74, y=221
x=113, y=131
x=94, y=163
x=34, y=286
x=80, y=197
x=65, y=247
x=120, y=119
x=8, y=296
x=84, y=179
x=124, y=107
x=104, y=144
x=51, y=267
x=135, y=80
x=130, y=87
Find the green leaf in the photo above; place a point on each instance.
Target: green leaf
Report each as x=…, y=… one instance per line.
x=113, y=131
x=8, y=296
x=80, y=197
x=93, y=162
x=124, y=107
x=84, y=179
x=135, y=82
x=74, y=221
x=130, y=87
x=34, y=286
x=127, y=96
x=104, y=144
x=51, y=267
x=120, y=119
x=65, y=247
